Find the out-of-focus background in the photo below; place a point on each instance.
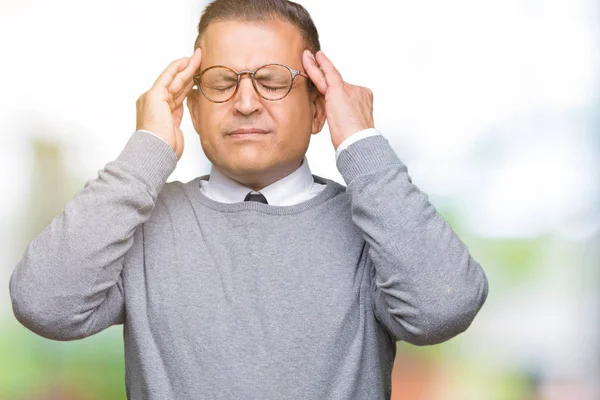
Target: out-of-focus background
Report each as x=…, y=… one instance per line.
x=493, y=105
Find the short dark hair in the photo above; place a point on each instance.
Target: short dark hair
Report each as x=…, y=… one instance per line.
x=261, y=11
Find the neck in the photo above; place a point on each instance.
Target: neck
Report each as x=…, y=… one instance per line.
x=260, y=180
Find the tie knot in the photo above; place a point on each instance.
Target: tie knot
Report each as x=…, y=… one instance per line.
x=256, y=197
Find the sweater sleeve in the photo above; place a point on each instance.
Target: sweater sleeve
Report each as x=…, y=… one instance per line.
x=68, y=284
x=426, y=286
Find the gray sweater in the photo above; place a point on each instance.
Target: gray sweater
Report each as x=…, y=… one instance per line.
x=248, y=300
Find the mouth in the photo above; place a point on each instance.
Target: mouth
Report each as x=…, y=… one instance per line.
x=247, y=132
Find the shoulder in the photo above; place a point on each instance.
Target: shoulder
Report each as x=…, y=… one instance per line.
x=337, y=195
x=338, y=187
x=176, y=191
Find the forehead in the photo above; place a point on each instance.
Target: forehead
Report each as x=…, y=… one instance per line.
x=247, y=45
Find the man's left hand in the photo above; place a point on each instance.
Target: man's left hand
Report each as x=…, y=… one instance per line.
x=349, y=108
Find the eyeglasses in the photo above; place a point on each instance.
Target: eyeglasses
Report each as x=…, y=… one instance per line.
x=271, y=81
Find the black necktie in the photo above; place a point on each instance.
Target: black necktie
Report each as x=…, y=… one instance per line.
x=256, y=197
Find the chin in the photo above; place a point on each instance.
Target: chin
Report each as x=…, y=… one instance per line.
x=245, y=166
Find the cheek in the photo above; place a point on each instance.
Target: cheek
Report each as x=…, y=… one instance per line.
x=208, y=123
x=294, y=120
x=210, y=119
x=294, y=130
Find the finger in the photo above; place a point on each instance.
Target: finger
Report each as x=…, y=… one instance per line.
x=332, y=75
x=178, y=115
x=178, y=99
x=185, y=76
x=166, y=77
x=183, y=86
x=314, y=72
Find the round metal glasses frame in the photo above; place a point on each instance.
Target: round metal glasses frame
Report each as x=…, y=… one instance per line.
x=293, y=73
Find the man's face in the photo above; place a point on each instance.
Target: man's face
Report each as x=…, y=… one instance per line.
x=289, y=121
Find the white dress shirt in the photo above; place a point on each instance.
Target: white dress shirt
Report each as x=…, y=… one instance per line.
x=292, y=189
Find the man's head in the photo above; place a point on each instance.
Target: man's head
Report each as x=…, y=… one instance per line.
x=243, y=35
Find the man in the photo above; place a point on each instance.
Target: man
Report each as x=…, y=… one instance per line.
x=259, y=280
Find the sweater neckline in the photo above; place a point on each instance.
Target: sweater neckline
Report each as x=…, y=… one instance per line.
x=331, y=188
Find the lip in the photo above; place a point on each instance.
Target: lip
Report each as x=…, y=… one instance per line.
x=248, y=131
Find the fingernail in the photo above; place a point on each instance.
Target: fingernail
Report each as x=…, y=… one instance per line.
x=311, y=55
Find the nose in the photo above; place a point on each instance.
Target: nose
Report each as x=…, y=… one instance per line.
x=246, y=100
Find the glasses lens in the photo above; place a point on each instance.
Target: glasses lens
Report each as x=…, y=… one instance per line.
x=273, y=82
x=218, y=84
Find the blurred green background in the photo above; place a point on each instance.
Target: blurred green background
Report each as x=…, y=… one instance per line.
x=494, y=106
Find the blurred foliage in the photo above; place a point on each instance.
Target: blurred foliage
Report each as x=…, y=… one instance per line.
x=90, y=369
x=517, y=259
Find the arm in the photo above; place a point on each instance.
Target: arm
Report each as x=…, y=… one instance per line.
x=68, y=284
x=426, y=286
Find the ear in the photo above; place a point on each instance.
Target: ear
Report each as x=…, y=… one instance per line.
x=319, y=114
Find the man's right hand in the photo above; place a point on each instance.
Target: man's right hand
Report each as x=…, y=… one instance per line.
x=160, y=109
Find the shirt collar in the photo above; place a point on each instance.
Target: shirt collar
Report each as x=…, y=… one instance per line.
x=280, y=193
